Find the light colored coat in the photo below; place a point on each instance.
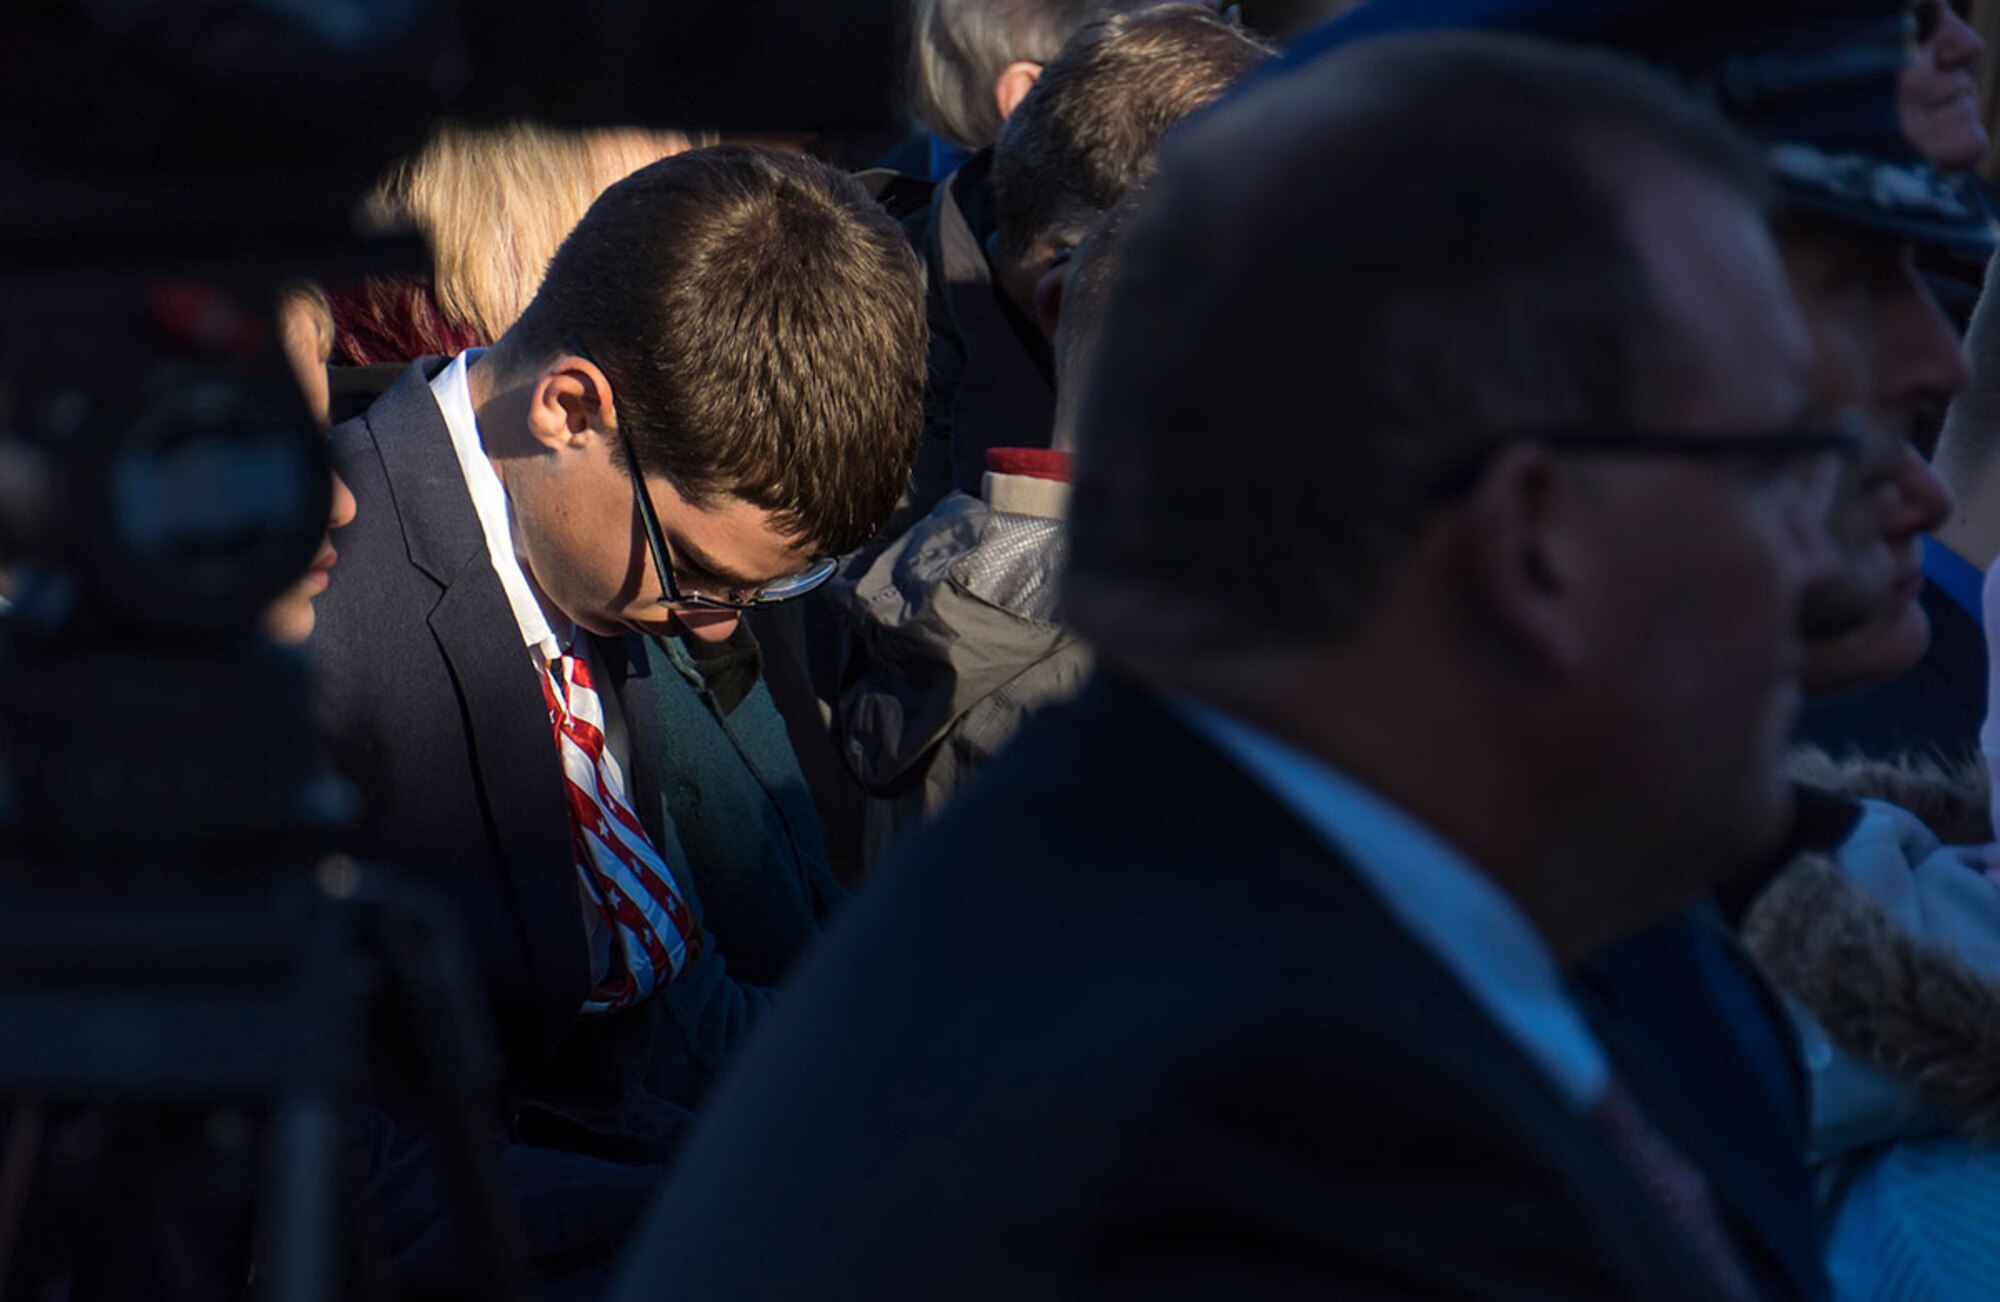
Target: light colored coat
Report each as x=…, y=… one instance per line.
x=1889, y=953
x=951, y=644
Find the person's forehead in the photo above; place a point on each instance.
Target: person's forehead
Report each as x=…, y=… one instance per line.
x=731, y=540
x=721, y=565
x=1714, y=266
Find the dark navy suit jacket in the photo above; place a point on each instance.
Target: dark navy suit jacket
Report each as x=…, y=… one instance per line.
x=431, y=706
x=1682, y=1006
x=1118, y=1025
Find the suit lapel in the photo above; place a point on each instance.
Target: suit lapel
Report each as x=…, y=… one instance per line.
x=521, y=779
x=440, y=528
x=506, y=719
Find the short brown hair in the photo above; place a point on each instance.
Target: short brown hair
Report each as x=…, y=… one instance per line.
x=1091, y=126
x=761, y=322
x=1343, y=283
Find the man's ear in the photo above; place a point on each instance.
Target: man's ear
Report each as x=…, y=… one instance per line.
x=1522, y=558
x=570, y=403
x=1048, y=297
x=1013, y=84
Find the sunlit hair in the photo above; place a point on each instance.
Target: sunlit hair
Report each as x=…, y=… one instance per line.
x=761, y=322
x=495, y=202
x=306, y=302
x=394, y=319
x=959, y=48
x=1092, y=124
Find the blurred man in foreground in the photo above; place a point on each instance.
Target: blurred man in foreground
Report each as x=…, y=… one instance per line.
x=1815, y=82
x=1402, y=528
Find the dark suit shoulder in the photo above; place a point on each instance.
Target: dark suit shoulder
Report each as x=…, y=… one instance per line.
x=433, y=710
x=1351, y=1160
x=976, y=1082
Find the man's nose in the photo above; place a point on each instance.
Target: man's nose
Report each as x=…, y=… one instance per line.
x=1958, y=41
x=1923, y=499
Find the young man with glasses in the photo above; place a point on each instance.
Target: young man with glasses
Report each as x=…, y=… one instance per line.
x=717, y=387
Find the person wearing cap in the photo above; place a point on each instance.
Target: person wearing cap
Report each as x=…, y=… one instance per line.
x=1240, y=975
x=1908, y=677
x=1859, y=205
x=1933, y=707
x=1817, y=82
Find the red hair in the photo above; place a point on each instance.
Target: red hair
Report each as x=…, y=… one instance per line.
x=394, y=319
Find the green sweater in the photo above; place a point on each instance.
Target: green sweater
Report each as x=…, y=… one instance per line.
x=745, y=844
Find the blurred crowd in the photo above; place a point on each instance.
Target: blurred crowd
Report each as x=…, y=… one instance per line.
x=1338, y=657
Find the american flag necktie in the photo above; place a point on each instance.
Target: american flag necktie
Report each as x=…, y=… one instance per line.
x=652, y=933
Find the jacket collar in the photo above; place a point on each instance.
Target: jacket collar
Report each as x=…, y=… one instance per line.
x=440, y=528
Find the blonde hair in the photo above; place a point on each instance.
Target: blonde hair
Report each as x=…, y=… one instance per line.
x=494, y=202
x=303, y=302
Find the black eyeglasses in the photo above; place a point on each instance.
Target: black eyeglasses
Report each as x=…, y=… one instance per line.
x=672, y=594
x=1808, y=460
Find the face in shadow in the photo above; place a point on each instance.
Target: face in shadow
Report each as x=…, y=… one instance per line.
x=307, y=333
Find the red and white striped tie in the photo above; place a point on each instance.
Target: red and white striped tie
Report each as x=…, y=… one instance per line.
x=653, y=934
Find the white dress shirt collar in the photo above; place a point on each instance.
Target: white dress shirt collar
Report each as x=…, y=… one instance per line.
x=489, y=500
